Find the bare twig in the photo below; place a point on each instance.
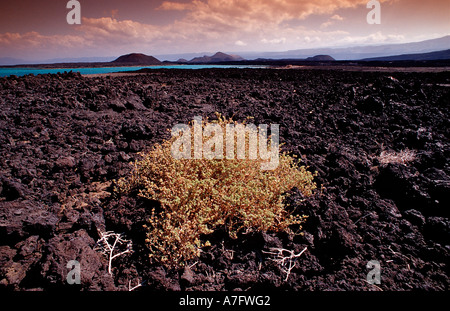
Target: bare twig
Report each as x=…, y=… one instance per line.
x=406, y=258
x=286, y=262
x=130, y=289
x=228, y=253
x=191, y=266
x=362, y=217
x=108, y=248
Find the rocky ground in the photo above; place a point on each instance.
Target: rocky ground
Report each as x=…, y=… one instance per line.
x=65, y=138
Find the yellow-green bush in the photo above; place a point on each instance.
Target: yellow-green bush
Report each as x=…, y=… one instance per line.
x=199, y=195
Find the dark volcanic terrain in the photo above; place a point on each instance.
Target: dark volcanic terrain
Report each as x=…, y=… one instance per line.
x=64, y=138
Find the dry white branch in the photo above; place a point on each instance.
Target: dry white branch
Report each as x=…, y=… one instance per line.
x=287, y=262
x=109, y=243
x=191, y=266
x=130, y=289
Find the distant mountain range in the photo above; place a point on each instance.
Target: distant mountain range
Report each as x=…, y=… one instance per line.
x=359, y=52
x=435, y=49
x=216, y=58
x=417, y=57
x=338, y=53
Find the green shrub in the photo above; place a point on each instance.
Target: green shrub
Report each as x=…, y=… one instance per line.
x=198, y=196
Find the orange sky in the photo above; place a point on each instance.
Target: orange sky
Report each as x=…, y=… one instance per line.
x=31, y=29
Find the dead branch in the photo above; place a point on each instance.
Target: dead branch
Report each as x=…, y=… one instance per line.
x=109, y=248
x=287, y=262
x=130, y=289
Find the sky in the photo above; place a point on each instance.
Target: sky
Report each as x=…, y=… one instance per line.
x=38, y=30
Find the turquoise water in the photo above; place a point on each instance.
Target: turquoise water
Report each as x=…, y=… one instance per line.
x=6, y=72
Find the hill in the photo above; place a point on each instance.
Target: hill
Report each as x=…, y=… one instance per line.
x=136, y=59
x=216, y=58
x=321, y=58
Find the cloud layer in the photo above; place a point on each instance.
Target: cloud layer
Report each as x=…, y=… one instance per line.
x=211, y=25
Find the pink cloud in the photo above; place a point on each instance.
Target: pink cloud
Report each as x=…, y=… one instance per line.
x=210, y=25
x=175, y=6
x=263, y=10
